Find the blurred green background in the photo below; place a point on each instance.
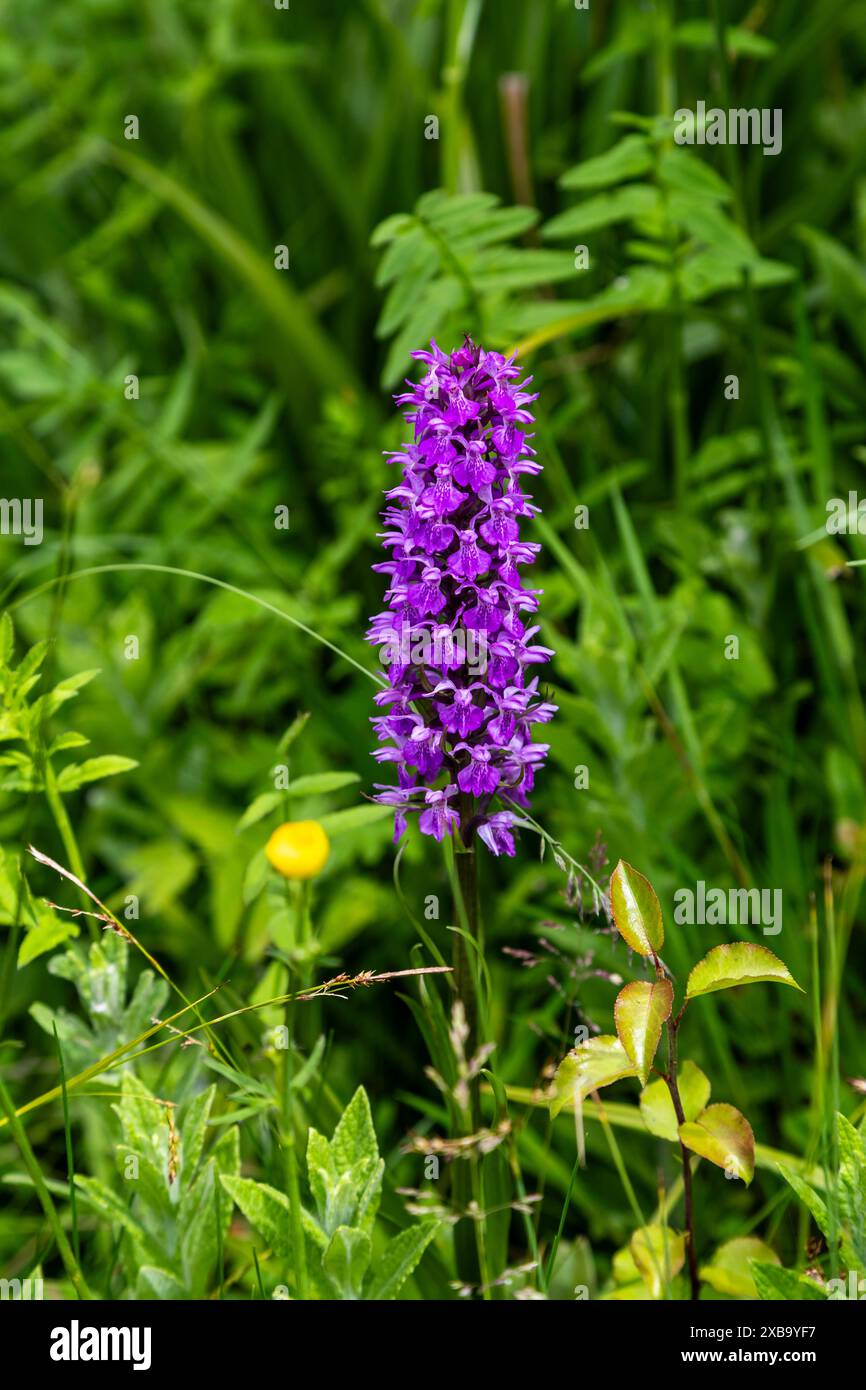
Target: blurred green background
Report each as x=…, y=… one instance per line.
x=156, y=258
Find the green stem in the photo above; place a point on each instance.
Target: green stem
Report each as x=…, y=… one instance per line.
x=289, y=1135
x=32, y=1165
x=469, y=918
x=64, y=826
x=290, y=1155
x=461, y=24
x=469, y=1244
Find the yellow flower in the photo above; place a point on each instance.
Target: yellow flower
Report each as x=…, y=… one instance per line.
x=298, y=849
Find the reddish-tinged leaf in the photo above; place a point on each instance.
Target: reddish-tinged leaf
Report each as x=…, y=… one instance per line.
x=737, y=963
x=595, y=1063
x=636, y=910
x=724, y=1136
x=640, y=1010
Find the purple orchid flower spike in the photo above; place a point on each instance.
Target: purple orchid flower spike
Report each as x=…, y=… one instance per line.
x=455, y=638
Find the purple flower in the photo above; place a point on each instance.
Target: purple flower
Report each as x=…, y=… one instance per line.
x=457, y=635
x=496, y=832
x=439, y=818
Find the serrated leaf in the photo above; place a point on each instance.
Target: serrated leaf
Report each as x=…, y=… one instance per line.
x=729, y=1271
x=401, y=1256
x=354, y=1138
x=657, y=1108
x=737, y=963
x=636, y=910
x=265, y=1208
x=641, y=1009
x=724, y=1136
x=268, y=1210
x=593, y=1064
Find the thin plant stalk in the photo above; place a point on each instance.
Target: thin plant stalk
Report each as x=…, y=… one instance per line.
x=688, y=1199
x=31, y=1163
x=469, y=1244
x=288, y=1138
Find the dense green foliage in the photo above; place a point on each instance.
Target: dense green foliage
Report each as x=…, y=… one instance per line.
x=169, y=391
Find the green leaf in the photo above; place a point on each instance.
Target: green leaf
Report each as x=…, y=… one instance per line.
x=659, y=1254
x=69, y=739
x=737, y=963
x=657, y=1108
x=193, y=1128
x=701, y=34
x=268, y=1210
x=159, y=1283
x=346, y=1260
x=852, y=1191
x=259, y=808
x=318, y=783
x=772, y=1283
x=115, y=1211
x=686, y=173
x=401, y=1256
x=354, y=1138
x=197, y=1231
x=50, y=931
x=636, y=910
x=92, y=770
x=7, y=639
x=724, y=1136
x=810, y=1199
x=355, y=818
x=504, y=269
x=629, y=158
x=706, y=222
x=623, y=1267
x=633, y=202
x=730, y=1270
x=593, y=1064
x=640, y=1010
